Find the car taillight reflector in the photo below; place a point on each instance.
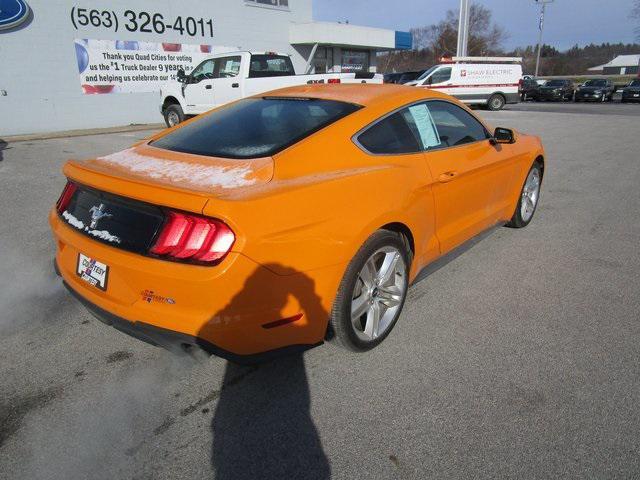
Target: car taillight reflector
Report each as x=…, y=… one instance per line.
x=334, y=80
x=188, y=237
x=63, y=202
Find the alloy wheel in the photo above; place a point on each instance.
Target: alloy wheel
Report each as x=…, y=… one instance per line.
x=530, y=194
x=378, y=293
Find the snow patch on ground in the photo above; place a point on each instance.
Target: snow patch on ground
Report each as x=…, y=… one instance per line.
x=196, y=174
x=79, y=224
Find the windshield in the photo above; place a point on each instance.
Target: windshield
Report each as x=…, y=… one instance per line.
x=555, y=83
x=595, y=83
x=270, y=66
x=255, y=127
x=635, y=83
x=427, y=73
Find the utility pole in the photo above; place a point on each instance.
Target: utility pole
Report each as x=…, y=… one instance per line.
x=543, y=4
x=463, y=29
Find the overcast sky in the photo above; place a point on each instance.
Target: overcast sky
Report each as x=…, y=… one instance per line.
x=567, y=21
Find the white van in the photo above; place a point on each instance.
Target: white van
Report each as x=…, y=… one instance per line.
x=489, y=81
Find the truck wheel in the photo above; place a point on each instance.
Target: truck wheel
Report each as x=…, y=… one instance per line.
x=496, y=102
x=173, y=115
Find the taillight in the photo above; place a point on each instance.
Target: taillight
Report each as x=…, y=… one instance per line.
x=334, y=80
x=63, y=202
x=192, y=238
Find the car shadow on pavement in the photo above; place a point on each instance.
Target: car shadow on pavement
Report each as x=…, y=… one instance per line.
x=262, y=426
x=3, y=146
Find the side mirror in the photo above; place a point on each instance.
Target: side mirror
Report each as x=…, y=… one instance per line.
x=429, y=81
x=181, y=76
x=504, y=135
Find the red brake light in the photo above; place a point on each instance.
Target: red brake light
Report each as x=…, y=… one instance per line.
x=334, y=80
x=189, y=237
x=63, y=202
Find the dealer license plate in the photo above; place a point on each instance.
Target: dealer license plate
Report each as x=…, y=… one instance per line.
x=93, y=272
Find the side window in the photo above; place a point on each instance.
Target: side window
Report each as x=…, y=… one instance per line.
x=204, y=71
x=392, y=135
x=425, y=126
x=454, y=125
x=441, y=75
x=228, y=67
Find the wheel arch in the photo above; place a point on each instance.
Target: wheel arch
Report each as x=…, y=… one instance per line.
x=540, y=159
x=405, y=231
x=168, y=101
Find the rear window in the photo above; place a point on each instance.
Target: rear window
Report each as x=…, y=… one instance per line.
x=270, y=66
x=255, y=127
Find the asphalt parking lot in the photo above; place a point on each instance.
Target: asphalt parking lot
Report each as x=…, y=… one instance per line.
x=518, y=357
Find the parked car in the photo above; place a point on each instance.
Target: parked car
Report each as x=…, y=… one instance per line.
x=243, y=232
x=392, y=77
x=555, y=90
x=490, y=84
x=599, y=90
x=528, y=89
x=409, y=76
x=631, y=92
x=227, y=77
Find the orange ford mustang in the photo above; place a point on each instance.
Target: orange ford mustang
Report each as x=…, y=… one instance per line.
x=280, y=220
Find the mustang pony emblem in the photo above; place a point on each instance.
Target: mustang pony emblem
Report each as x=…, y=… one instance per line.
x=97, y=214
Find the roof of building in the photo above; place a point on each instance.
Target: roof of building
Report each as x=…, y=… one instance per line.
x=619, y=61
x=348, y=35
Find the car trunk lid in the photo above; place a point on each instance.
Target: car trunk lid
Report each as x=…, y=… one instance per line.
x=122, y=199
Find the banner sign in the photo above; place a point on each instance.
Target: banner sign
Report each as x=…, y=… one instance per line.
x=119, y=66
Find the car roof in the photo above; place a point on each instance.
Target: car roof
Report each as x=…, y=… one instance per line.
x=358, y=93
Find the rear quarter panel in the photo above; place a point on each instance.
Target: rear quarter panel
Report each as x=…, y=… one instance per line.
x=326, y=198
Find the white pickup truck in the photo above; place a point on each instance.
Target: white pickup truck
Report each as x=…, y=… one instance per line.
x=227, y=77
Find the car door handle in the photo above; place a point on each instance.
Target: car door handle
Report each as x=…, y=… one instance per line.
x=447, y=177
x=235, y=85
x=209, y=87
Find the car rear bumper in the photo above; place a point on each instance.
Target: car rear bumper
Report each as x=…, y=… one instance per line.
x=176, y=342
x=236, y=309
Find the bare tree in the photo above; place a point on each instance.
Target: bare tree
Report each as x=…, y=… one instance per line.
x=484, y=35
x=432, y=42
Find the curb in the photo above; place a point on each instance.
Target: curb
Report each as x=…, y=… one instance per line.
x=83, y=133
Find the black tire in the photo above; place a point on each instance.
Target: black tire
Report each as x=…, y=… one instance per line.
x=496, y=102
x=341, y=330
x=516, y=220
x=171, y=112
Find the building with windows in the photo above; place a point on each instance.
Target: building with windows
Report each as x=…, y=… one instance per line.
x=72, y=65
